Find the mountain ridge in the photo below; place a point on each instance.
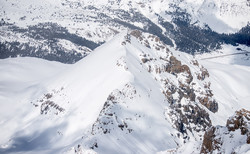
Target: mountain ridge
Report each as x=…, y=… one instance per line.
x=155, y=92
x=144, y=76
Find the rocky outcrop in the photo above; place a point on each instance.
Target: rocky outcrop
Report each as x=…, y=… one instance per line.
x=150, y=41
x=109, y=118
x=212, y=105
x=210, y=142
x=229, y=139
x=175, y=67
x=241, y=120
x=189, y=117
x=187, y=96
x=47, y=103
x=203, y=73
x=205, y=97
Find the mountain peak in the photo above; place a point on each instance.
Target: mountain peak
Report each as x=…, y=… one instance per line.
x=142, y=76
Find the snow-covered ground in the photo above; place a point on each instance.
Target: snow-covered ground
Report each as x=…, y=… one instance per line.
x=230, y=73
x=81, y=91
x=20, y=79
x=115, y=99
x=49, y=107
x=223, y=16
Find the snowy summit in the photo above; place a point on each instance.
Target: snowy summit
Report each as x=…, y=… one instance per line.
x=80, y=76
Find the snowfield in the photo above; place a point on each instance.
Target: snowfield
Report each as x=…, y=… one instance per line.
x=82, y=90
x=129, y=85
x=223, y=16
x=106, y=103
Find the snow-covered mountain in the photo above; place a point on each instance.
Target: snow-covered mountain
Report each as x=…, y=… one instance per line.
x=144, y=76
x=67, y=30
x=221, y=16
x=133, y=94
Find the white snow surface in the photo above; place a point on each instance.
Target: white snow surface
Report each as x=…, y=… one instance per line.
x=81, y=91
x=223, y=16
x=229, y=75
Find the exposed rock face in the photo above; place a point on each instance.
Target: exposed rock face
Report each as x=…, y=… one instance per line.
x=185, y=97
x=206, y=97
x=47, y=103
x=190, y=117
x=109, y=118
x=241, y=121
x=248, y=139
x=204, y=73
x=150, y=41
x=212, y=105
x=234, y=135
x=209, y=143
x=137, y=34
x=175, y=67
x=45, y=107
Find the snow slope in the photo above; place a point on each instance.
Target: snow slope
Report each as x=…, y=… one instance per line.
x=111, y=101
x=221, y=16
x=81, y=90
x=68, y=30
x=229, y=75
x=20, y=79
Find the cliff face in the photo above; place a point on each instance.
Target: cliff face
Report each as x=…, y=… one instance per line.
x=232, y=138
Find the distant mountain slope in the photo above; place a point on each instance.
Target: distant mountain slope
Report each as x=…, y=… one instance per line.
x=77, y=27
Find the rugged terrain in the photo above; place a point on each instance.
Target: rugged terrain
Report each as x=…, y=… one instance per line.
x=124, y=76
x=67, y=30
x=132, y=94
